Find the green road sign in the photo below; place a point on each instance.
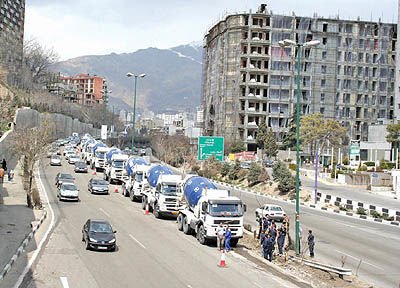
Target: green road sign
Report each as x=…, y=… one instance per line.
x=209, y=146
x=354, y=150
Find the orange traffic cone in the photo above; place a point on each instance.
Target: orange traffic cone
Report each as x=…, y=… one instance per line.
x=146, y=212
x=94, y=173
x=116, y=190
x=222, y=262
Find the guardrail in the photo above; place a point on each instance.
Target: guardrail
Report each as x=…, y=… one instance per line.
x=337, y=270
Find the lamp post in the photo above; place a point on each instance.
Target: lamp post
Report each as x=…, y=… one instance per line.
x=105, y=92
x=129, y=74
x=298, y=46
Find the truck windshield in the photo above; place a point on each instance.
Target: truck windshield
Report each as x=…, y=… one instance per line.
x=221, y=209
x=168, y=190
x=139, y=177
x=118, y=164
x=100, y=155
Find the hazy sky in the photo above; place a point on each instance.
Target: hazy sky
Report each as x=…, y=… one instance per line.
x=75, y=27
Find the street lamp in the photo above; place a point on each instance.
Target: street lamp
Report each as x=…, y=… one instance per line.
x=129, y=74
x=105, y=93
x=309, y=44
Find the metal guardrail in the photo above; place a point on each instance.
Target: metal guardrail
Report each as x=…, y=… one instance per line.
x=337, y=270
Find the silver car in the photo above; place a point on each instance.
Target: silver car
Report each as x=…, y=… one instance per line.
x=81, y=167
x=98, y=186
x=55, y=160
x=73, y=159
x=68, y=191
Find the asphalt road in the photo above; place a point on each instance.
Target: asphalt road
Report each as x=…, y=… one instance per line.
x=357, y=194
x=375, y=245
x=150, y=253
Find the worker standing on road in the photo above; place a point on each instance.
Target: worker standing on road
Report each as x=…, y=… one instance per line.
x=266, y=223
x=228, y=236
x=220, y=236
x=281, y=239
x=260, y=221
x=4, y=164
x=268, y=244
x=1, y=175
x=262, y=237
x=311, y=243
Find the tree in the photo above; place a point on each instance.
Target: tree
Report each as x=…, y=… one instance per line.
x=234, y=171
x=393, y=135
x=261, y=134
x=225, y=167
x=289, y=141
x=237, y=147
x=254, y=173
x=282, y=174
x=271, y=148
x=31, y=143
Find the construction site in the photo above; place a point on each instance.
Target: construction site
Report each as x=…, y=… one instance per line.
x=248, y=76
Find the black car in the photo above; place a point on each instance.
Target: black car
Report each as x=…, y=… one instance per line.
x=81, y=167
x=98, y=234
x=97, y=185
x=64, y=178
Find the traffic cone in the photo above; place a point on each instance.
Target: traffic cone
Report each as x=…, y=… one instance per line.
x=222, y=262
x=146, y=212
x=116, y=190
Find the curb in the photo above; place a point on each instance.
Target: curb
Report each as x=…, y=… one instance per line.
x=21, y=247
x=335, y=211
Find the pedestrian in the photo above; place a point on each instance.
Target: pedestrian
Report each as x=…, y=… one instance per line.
x=10, y=175
x=228, y=236
x=1, y=175
x=268, y=244
x=311, y=243
x=281, y=239
x=273, y=232
x=260, y=221
x=220, y=231
x=266, y=222
x=262, y=237
x=4, y=164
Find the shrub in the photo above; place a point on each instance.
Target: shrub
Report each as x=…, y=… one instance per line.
x=242, y=174
x=225, y=168
x=292, y=166
x=346, y=161
x=343, y=208
x=286, y=183
x=361, y=211
x=263, y=177
x=369, y=163
x=238, y=147
x=386, y=165
x=233, y=173
x=375, y=214
x=363, y=168
x=254, y=173
x=277, y=170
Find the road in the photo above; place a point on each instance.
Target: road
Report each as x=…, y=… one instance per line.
x=150, y=253
x=357, y=194
x=377, y=245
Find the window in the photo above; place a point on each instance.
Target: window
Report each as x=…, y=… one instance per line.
x=322, y=97
x=322, y=110
x=323, y=83
x=324, y=40
x=323, y=69
x=325, y=27
x=324, y=55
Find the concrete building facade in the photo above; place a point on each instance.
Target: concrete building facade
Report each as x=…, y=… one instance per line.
x=397, y=90
x=248, y=77
x=89, y=88
x=12, y=19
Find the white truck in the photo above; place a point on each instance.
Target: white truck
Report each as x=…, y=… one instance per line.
x=88, y=154
x=136, y=186
x=99, y=160
x=164, y=194
x=205, y=207
x=115, y=166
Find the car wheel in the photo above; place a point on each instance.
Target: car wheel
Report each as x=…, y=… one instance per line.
x=201, y=235
x=156, y=212
x=186, y=227
x=87, y=244
x=180, y=222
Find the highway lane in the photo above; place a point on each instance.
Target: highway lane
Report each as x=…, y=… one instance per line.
x=353, y=193
x=336, y=236
x=151, y=252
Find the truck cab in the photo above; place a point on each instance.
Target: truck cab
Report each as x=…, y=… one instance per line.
x=137, y=185
x=89, y=152
x=115, y=167
x=99, y=159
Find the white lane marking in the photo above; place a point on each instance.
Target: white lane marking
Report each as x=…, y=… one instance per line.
x=189, y=286
x=44, y=239
x=64, y=281
x=358, y=259
x=108, y=215
x=257, y=285
x=137, y=241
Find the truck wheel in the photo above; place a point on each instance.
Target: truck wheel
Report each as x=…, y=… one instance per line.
x=201, y=235
x=180, y=222
x=156, y=212
x=186, y=227
x=144, y=203
x=131, y=196
x=234, y=242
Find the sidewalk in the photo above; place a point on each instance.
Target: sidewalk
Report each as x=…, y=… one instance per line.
x=15, y=217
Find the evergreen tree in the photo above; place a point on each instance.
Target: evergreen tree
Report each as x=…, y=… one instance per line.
x=289, y=141
x=237, y=147
x=254, y=173
x=261, y=134
x=270, y=145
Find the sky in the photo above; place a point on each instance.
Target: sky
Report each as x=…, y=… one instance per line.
x=95, y=27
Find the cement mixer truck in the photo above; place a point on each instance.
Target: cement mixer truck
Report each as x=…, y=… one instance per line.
x=135, y=184
x=163, y=197
x=205, y=207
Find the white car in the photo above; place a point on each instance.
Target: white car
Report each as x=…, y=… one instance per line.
x=68, y=154
x=73, y=159
x=68, y=191
x=55, y=160
x=273, y=211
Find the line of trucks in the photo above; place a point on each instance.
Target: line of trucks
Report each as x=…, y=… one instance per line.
x=197, y=204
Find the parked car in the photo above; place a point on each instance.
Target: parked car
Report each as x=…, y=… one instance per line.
x=97, y=185
x=68, y=191
x=81, y=166
x=273, y=211
x=68, y=154
x=72, y=159
x=268, y=163
x=245, y=165
x=98, y=234
x=55, y=160
x=64, y=178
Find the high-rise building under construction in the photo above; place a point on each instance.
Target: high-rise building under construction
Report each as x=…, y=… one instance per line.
x=247, y=76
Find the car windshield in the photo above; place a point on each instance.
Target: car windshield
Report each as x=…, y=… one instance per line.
x=139, y=177
x=66, y=176
x=100, y=227
x=169, y=190
x=99, y=182
x=275, y=208
x=223, y=209
x=80, y=164
x=69, y=187
x=55, y=157
x=100, y=155
x=118, y=164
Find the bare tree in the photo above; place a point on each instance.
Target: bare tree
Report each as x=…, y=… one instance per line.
x=31, y=143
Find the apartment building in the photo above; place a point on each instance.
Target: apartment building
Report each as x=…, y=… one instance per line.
x=12, y=19
x=248, y=77
x=89, y=88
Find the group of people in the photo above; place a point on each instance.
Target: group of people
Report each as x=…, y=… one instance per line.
x=224, y=236
x=3, y=170
x=269, y=235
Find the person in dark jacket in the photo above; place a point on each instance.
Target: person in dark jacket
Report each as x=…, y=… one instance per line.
x=260, y=221
x=4, y=164
x=268, y=245
x=311, y=243
x=281, y=239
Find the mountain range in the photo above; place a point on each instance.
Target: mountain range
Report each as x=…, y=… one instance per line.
x=172, y=81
